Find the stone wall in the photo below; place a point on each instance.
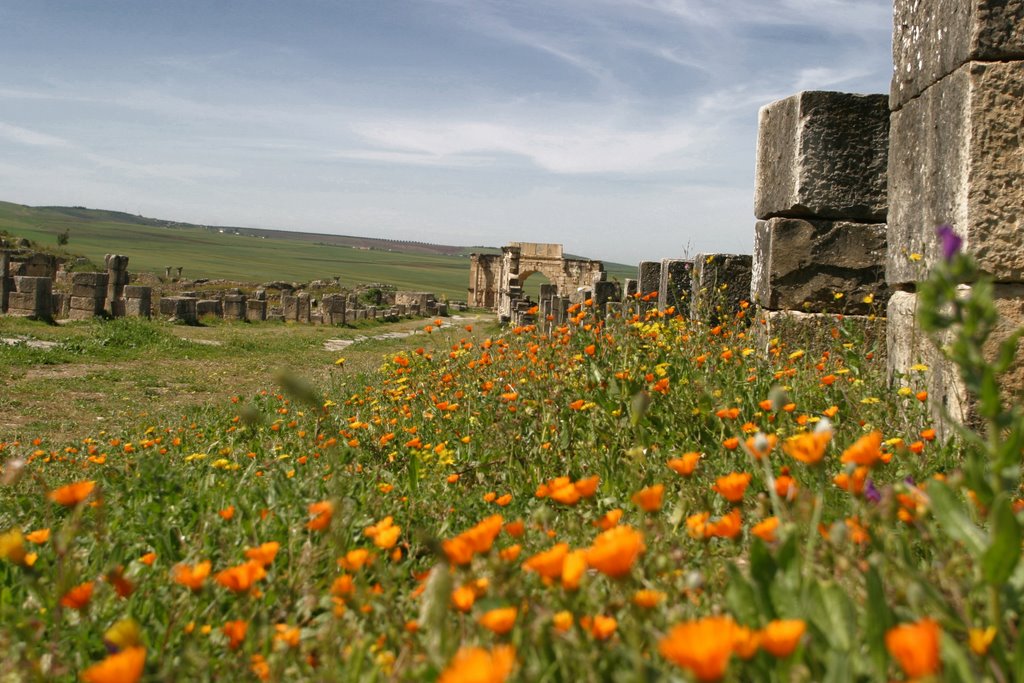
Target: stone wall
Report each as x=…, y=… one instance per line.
x=821, y=196
x=956, y=157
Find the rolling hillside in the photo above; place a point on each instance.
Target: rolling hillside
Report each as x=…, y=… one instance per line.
x=249, y=254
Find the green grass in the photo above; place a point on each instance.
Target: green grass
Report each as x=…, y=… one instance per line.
x=208, y=253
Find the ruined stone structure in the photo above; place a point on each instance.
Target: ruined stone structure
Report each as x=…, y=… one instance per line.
x=955, y=157
x=721, y=282
x=820, y=195
x=496, y=281
x=675, y=283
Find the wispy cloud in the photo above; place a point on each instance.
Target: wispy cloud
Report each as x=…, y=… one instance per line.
x=32, y=138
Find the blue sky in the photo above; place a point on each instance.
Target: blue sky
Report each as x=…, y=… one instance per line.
x=624, y=129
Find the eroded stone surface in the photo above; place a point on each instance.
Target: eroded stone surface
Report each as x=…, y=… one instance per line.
x=957, y=157
x=803, y=264
x=823, y=155
x=720, y=283
x=933, y=38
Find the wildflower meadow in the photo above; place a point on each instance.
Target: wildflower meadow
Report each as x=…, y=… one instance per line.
x=629, y=497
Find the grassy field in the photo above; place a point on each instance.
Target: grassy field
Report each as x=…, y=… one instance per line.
x=208, y=253
x=617, y=500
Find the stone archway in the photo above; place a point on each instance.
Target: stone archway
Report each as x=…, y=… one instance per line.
x=495, y=280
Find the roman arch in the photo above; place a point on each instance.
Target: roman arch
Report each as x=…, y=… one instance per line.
x=495, y=280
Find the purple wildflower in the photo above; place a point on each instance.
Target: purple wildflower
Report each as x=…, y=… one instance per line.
x=951, y=242
x=871, y=493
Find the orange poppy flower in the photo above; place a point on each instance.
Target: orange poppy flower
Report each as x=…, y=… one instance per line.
x=766, y=528
x=649, y=499
x=745, y=642
x=38, y=536
x=703, y=647
x=728, y=526
x=615, y=551
x=587, y=487
x=78, y=597
x=600, y=627
x=865, y=451
x=72, y=494
x=685, y=464
x=320, y=515
x=240, y=578
x=808, y=448
x=123, y=667
x=566, y=495
x=192, y=577
x=732, y=443
x=609, y=519
x=264, y=553
x=235, y=631
x=478, y=664
x=227, y=513
x=573, y=568
x=732, y=486
x=384, y=533
x=548, y=563
x=916, y=647
x=761, y=444
x=781, y=636
x=500, y=620
x=647, y=598
x=515, y=529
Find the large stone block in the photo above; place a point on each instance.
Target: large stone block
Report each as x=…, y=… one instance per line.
x=948, y=398
x=957, y=157
x=674, y=285
x=933, y=38
x=99, y=280
x=823, y=155
x=721, y=282
x=256, y=310
x=138, y=292
x=290, y=307
x=35, y=304
x=33, y=284
x=803, y=264
x=209, y=307
x=180, y=308
x=137, y=307
x=649, y=277
x=86, y=303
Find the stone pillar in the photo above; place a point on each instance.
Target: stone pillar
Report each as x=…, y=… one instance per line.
x=5, y=284
x=820, y=192
x=234, y=306
x=606, y=292
x=32, y=298
x=117, y=278
x=88, y=295
x=674, y=285
x=209, y=308
x=290, y=307
x=137, y=301
x=955, y=157
x=648, y=280
x=256, y=310
x=303, y=308
x=721, y=282
x=333, y=307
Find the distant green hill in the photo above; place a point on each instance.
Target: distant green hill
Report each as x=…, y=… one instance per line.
x=251, y=254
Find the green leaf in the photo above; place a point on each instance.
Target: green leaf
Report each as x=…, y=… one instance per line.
x=741, y=598
x=954, y=521
x=957, y=666
x=877, y=620
x=1003, y=552
x=833, y=614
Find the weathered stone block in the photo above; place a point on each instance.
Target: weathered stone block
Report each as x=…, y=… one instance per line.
x=721, y=282
x=137, y=307
x=823, y=155
x=605, y=292
x=290, y=307
x=948, y=398
x=649, y=277
x=234, y=307
x=180, y=308
x=209, y=307
x=802, y=264
x=90, y=279
x=933, y=38
x=303, y=308
x=86, y=303
x=674, y=285
x=957, y=158
x=33, y=284
x=137, y=292
x=88, y=291
x=256, y=310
